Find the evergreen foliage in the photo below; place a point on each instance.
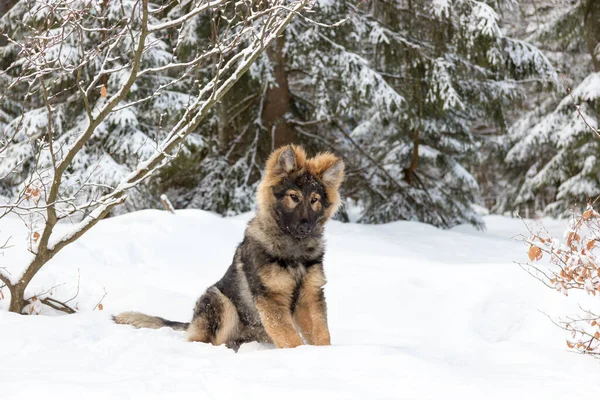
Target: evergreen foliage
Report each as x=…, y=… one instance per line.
x=395, y=88
x=552, y=159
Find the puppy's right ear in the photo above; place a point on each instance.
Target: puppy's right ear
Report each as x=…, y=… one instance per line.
x=285, y=160
x=281, y=163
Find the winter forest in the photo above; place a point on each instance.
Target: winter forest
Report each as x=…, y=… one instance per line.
x=134, y=134
x=437, y=106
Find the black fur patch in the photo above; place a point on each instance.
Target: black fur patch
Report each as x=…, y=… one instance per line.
x=295, y=295
x=175, y=324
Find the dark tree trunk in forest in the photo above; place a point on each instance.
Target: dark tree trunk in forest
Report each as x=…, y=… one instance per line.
x=224, y=130
x=410, y=171
x=277, y=102
x=5, y=5
x=591, y=28
x=223, y=127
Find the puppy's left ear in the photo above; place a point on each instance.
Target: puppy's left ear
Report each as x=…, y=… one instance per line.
x=333, y=176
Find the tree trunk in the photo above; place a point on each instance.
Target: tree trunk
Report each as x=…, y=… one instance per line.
x=277, y=102
x=17, y=298
x=5, y=6
x=591, y=29
x=224, y=131
x=17, y=292
x=409, y=172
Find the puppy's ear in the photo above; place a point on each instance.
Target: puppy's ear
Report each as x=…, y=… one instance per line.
x=329, y=168
x=333, y=176
x=286, y=160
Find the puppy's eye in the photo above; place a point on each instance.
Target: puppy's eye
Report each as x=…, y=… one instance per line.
x=313, y=200
x=295, y=198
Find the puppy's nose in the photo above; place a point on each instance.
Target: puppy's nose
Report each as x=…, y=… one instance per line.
x=305, y=227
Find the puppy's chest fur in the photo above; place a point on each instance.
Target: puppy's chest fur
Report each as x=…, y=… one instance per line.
x=296, y=270
x=256, y=272
x=284, y=279
x=277, y=276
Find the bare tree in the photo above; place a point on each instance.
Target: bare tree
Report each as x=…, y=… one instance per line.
x=57, y=47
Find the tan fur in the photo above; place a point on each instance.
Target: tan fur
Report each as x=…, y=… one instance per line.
x=289, y=202
x=229, y=321
x=277, y=320
x=311, y=313
x=314, y=280
x=317, y=205
x=245, y=292
x=274, y=306
x=197, y=331
x=139, y=320
x=317, y=166
x=276, y=279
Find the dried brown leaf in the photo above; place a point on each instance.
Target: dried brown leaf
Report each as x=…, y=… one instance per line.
x=534, y=253
x=572, y=237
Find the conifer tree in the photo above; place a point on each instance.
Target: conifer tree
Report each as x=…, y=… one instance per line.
x=554, y=143
x=395, y=88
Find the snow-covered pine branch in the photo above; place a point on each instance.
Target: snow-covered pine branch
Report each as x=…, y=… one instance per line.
x=556, y=143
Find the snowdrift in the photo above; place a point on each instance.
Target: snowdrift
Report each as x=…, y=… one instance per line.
x=415, y=313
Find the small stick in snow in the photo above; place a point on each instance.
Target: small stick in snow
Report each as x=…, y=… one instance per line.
x=99, y=305
x=58, y=305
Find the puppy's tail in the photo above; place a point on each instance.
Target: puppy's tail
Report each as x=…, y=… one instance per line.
x=140, y=320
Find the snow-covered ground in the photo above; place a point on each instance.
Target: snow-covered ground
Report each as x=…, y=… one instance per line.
x=415, y=313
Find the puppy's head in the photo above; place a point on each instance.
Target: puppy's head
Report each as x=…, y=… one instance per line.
x=300, y=193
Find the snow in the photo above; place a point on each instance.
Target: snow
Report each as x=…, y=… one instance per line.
x=441, y=8
x=483, y=20
x=415, y=313
x=441, y=85
x=588, y=91
x=524, y=55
